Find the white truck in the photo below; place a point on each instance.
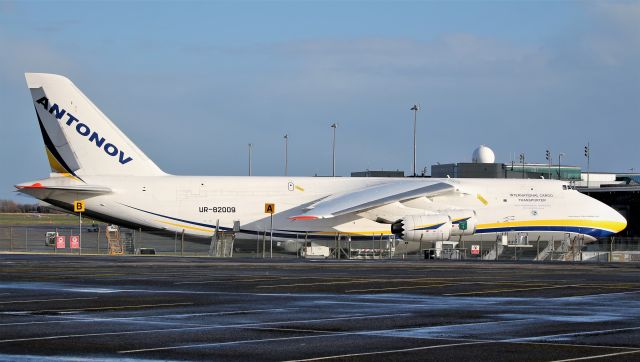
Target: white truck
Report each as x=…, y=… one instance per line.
x=311, y=251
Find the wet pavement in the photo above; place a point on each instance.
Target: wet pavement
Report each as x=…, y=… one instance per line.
x=166, y=308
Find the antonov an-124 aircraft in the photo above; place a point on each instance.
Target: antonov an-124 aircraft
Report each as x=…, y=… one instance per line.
x=92, y=160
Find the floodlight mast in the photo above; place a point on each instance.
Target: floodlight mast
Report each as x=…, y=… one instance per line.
x=587, y=154
x=250, y=148
x=286, y=154
x=334, y=126
x=415, y=110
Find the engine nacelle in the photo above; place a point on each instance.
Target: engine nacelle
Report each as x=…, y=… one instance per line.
x=423, y=228
x=463, y=222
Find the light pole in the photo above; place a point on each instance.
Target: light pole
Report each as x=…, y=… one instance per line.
x=548, y=157
x=559, y=156
x=522, y=161
x=415, y=110
x=250, y=147
x=587, y=154
x=334, y=126
x=286, y=154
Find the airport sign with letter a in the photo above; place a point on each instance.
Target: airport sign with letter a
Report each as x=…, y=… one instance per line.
x=74, y=241
x=60, y=242
x=269, y=208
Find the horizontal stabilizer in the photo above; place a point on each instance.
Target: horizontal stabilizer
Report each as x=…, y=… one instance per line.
x=38, y=190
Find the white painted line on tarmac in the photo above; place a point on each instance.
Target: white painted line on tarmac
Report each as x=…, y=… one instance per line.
x=73, y=310
x=218, y=344
x=220, y=313
x=85, y=320
x=575, y=334
x=142, y=319
x=391, y=351
x=513, y=290
x=598, y=356
x=180, y=315
x=45, y=300
x=202, y=328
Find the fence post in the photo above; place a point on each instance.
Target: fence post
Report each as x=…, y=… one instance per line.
x=257, y=244
x=11, y=238
x=26, y=238
x=98, y=241
x=611, y=250
x=182, y=244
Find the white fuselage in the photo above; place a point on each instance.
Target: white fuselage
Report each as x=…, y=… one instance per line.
x=540, y=208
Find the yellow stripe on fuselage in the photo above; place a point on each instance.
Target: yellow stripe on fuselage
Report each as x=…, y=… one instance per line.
x=189, y=227
x=428, y=225
x=614, y=226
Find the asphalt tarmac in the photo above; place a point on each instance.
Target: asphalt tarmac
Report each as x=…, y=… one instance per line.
x=167, y=308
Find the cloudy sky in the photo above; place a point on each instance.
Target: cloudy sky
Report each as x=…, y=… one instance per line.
x=193, y=83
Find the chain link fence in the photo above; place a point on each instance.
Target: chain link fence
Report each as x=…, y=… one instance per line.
x=39, y=239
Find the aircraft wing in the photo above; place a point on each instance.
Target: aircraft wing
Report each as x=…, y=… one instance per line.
x=372, y=197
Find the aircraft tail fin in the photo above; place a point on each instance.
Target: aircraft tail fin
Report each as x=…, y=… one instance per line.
x=79, y=139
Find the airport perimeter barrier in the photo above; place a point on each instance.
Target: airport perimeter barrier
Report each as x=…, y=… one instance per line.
x=94, y=241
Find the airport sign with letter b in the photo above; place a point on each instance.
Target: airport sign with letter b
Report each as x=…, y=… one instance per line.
x=78, y=206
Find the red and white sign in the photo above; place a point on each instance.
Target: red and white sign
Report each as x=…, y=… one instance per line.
x=74, y=241
x=60, y=242
x=475, y=249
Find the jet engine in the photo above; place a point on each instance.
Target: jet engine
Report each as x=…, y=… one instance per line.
x=463, y=222
x=423, y=228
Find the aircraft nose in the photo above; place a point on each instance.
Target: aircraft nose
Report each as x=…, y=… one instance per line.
x=618, y=222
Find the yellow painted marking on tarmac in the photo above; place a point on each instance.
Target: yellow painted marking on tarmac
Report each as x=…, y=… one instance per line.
x=514, y=290
x=391, y=280
x=221, y=281
x=430, y=285
x=299, y=188
x=105, y=275
x=235, y=280
x=398, y=288
x=318, y=283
